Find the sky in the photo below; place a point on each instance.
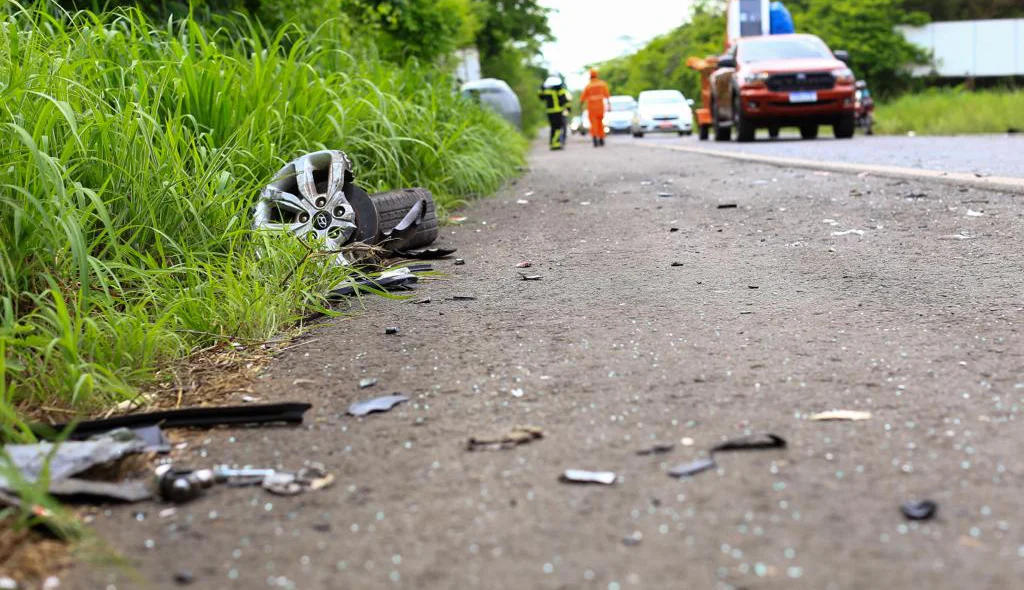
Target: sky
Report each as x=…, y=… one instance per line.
x=589, y=31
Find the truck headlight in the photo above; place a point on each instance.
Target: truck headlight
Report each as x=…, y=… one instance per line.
x=843, y=76
x=753, y=78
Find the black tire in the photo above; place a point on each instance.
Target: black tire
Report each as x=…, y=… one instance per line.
x=745, y=128
x=809, y=131
x=844, y=127
x=705, y=132
x=393, y=206
x=773, y=132
x=639, y=135
x=721, y=133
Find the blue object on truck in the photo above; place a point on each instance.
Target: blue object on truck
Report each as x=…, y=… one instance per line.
x=781, y=20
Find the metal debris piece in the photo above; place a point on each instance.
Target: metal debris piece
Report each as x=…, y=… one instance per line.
x=181, y=485
x=377, y=404
x=665, y=195
x=427, y=254
x=693, y=468
x=460, y=261
x=852, y=415
x=518, y=435
x=391, y=330
x=367, y=382
x=527, y=277
x=727, y=206
x=282, y=484
x=524, y=264
x=68, y=460
x=922, y=510
x=659, y=449
x=391, y=280
x=582, y=476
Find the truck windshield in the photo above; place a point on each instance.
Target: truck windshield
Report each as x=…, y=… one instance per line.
x=754, y=50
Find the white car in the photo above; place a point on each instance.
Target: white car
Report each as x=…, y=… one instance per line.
x=662, y=111
x=620, y=118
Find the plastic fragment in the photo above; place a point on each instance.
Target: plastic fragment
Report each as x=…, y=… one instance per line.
x=692, y=468
x=463, y=297
x=527, y=277
x=922, y=510
x=660, y=449
x=391, y=330
x=753, y=442
x=851, y=415
x=367, y=382
x=378, y=404
x=582, y=476
x=676, y=263
x=858, y=232
x=427, y=254
x=726, y=206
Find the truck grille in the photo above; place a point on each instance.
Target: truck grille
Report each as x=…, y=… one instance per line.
x=797, y=82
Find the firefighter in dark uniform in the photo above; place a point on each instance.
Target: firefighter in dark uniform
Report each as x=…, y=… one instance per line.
x=556, y=102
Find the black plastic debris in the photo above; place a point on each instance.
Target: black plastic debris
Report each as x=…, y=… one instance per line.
x=922, y=510
x=754, y=442
x=693, y=468
x=463, y=297
x=660, y=449
x=582, y=476
x=677, y=263
x=184, y=577
x=665, y=195
x=377, y=404
x=391, y=330
x=428, y=254
x=527, y=277
x=673, y=230
x=727, y=206
x=392, y=280
x=288, y=413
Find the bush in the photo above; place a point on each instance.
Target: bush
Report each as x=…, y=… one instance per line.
x=132, y=158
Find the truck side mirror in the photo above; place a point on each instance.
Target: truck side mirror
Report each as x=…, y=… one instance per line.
x=726, y=62
x=842, y=55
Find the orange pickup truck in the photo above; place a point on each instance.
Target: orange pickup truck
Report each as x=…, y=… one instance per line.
x=775, y=81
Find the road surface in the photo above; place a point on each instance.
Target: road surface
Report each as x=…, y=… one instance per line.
x=988, y=155
x=660, y=318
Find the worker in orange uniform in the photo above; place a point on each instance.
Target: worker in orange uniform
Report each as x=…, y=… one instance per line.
x=595, y=96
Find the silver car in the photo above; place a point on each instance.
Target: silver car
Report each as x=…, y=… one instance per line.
x=497, y=95
x=662, y=111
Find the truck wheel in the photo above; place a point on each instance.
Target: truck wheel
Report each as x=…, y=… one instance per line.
x=745, y=128
x=844, y=127
x=809, y=131
x=773, y=132
x=705, y=131
x=638, y=134
x=721, y=133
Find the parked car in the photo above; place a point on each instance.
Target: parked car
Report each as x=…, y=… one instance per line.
x=497, y=95
x=775, y=81
x=662, y=111
x=620, y=118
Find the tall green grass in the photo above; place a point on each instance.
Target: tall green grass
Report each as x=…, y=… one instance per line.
x=130, y=158
x=952, y=112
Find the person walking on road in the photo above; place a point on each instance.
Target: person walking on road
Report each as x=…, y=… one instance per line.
x=556, y=101
x=595, y=96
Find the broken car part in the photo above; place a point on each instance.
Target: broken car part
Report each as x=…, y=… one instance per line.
x=656, y=450
x=315, y=198
x=429, y=254
x=288, y=413
x=519, y=435
x=840, y=415
x=377, y=404
x=754, y=442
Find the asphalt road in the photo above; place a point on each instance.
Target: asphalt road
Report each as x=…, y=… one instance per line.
x=989, y=155
x=659, y=318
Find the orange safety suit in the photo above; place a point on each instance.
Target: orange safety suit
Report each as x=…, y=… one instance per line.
x=594, y=97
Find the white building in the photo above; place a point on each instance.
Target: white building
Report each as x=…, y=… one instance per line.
x=975, y=48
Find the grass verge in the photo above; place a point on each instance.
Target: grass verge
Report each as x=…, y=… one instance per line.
x=952, y=112
x=131, y=157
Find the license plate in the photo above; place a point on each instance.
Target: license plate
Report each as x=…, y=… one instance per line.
x=667, y=125
x=803, y=97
